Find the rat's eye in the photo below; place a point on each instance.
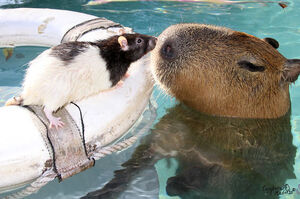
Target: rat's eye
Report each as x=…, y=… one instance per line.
x=139, y=40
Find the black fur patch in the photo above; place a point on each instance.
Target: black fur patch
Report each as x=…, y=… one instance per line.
x=251, y=67
x=68, y=51
x=118, y=60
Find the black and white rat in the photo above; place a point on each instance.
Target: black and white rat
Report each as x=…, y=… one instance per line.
x=75, y=70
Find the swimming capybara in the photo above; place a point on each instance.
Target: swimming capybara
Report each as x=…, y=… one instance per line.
x=218, y=71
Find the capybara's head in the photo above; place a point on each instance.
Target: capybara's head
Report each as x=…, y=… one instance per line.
x=223, y=72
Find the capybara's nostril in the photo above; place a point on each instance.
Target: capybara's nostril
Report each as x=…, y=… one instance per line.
x=168, y=51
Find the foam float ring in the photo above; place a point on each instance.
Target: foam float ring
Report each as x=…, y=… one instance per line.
x=107, y=116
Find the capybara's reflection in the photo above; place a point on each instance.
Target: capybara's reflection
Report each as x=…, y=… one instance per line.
x=218, y=157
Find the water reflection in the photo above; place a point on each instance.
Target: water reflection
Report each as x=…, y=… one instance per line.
x=217, y=157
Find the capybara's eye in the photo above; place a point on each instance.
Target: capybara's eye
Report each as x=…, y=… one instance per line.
x=250, y=66
x=168, y=51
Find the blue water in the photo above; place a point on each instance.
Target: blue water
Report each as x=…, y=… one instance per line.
x=259, y=19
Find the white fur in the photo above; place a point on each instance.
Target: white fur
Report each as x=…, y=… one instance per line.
x=53, y=83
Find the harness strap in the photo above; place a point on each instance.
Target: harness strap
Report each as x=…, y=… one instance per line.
x=74, y=33
x=69, y=151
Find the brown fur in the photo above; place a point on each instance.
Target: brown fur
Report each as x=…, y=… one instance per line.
x=205, y=75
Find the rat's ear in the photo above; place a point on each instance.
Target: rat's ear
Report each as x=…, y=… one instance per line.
x=272, y=42
x=121, y=31
x=123, y=43
x=291, y=70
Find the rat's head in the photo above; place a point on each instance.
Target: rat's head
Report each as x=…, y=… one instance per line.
x=224, y=72
x=134, y=46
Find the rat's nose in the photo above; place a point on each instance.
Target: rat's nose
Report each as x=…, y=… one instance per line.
x=152, y=43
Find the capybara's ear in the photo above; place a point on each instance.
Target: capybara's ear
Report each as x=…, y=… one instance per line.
x=291, y=70
x=272, y=42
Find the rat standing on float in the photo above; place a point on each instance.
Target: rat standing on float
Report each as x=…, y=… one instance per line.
x=75, y=70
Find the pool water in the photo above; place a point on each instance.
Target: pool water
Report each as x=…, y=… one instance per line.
x=182, y=167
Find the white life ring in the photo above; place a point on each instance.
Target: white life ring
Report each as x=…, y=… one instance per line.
x=23, y=152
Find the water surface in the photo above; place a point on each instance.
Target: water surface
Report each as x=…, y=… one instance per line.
x=192, y=155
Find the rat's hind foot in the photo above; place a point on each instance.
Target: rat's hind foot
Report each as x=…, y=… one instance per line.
x=54, y=121
x=14, y=101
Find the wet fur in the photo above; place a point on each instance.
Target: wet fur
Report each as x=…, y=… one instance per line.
x=203, y=70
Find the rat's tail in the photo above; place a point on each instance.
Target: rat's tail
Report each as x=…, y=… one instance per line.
x=14, y=101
